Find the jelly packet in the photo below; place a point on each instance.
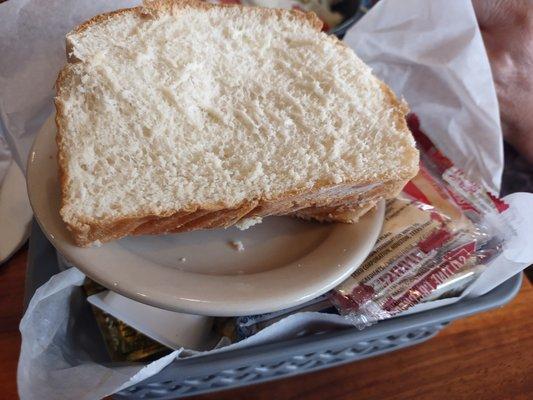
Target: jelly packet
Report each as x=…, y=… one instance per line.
x=123, y=343
x=437, y=237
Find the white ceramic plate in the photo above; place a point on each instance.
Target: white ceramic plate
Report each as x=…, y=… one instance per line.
x=15, y=212
x=285, y=261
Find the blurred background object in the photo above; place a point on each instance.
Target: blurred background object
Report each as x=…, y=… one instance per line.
x=15, y=211
x=507, y=30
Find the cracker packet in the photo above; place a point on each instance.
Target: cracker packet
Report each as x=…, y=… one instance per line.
x=437, y=237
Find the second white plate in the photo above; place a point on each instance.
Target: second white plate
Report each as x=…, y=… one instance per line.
x=285, y=261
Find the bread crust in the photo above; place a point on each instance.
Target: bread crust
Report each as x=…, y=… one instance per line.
x=341, y=203
x=324, y=202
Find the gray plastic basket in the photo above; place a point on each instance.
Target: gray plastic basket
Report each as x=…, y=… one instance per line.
x=284, y=358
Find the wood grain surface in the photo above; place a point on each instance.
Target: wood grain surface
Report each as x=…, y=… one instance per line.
x=487, y=356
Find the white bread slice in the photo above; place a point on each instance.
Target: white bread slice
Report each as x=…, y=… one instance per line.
x=182, y=115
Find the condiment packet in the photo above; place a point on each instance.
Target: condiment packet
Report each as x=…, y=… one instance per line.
x=239, y=328
x=123, y=343
x=437, y=237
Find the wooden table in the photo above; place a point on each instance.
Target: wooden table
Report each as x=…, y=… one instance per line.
x=488, y=356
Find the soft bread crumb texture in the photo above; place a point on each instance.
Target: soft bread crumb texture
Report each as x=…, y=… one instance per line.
x=247, y=223
x=210, y=107
x=237, y=245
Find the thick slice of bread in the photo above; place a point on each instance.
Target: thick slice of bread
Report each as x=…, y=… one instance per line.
x=182, y=115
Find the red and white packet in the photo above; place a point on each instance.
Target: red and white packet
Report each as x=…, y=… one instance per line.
x=442, y=226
